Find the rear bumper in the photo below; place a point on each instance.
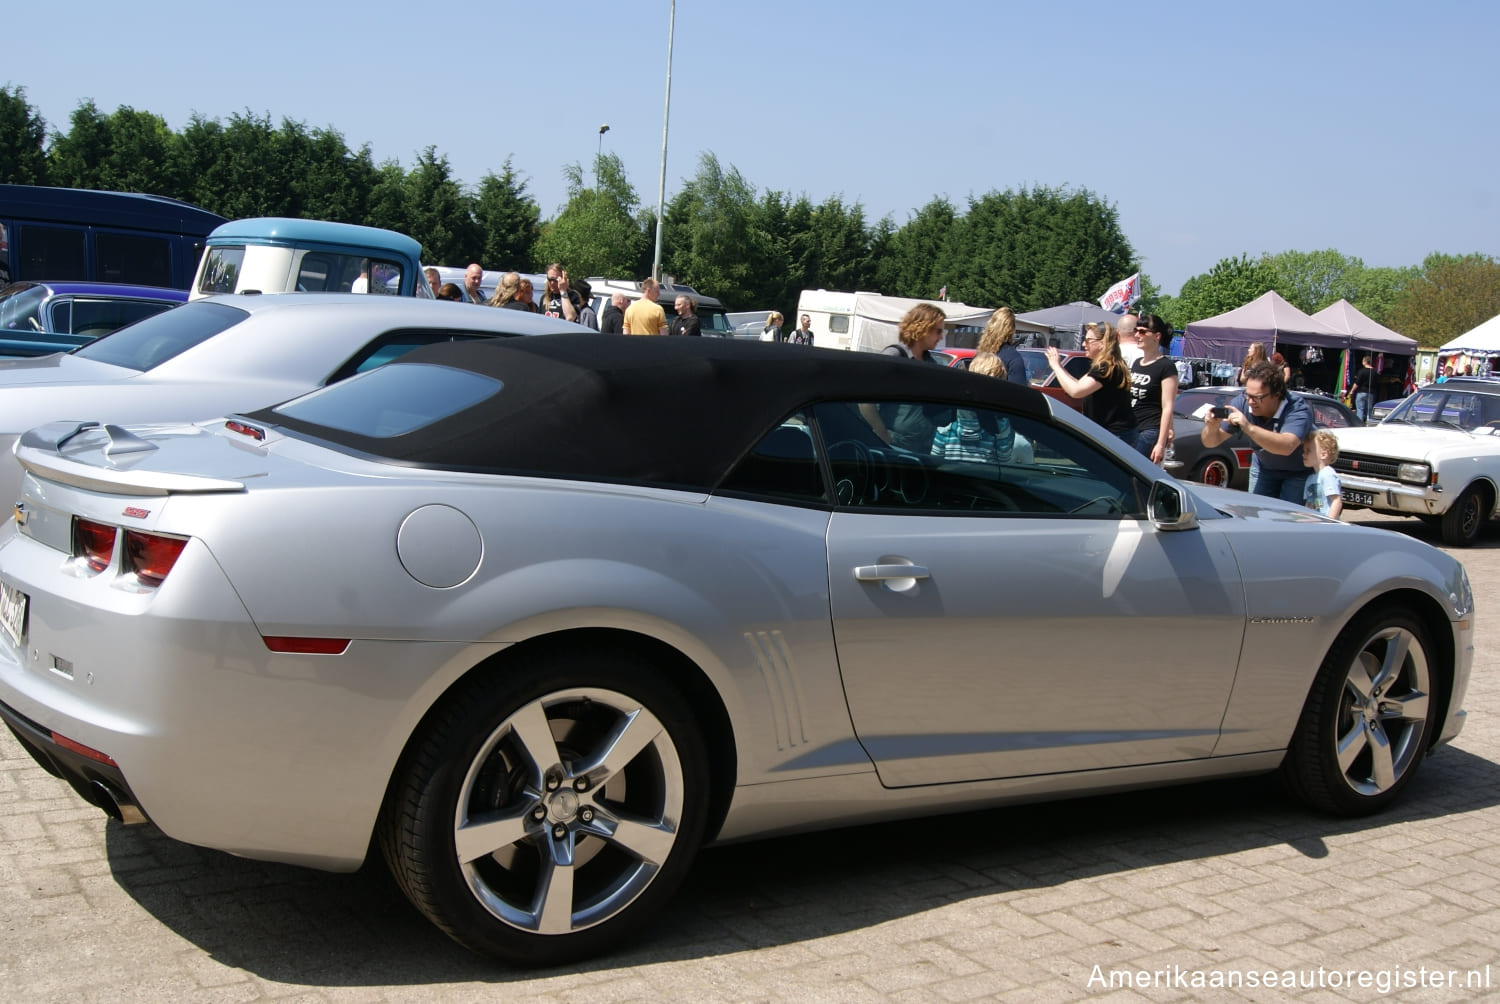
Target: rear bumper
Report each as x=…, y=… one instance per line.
x=96, y=782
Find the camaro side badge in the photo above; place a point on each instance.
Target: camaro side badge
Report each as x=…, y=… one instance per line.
x=135, y=513
x=1283, y=620
x=20, y=511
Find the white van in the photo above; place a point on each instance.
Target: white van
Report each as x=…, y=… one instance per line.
x=714, y=322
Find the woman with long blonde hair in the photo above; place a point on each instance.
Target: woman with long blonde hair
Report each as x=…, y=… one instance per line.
x=1000, y=338
x=1105, y=388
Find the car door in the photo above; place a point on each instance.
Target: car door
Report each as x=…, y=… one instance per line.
x=1014, y=613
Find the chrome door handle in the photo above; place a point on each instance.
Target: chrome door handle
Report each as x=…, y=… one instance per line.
x=879, y=573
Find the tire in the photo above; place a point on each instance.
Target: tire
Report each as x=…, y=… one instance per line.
x=545, y=811
x=1465, y=518
x=1213, y=471
x=1368, y=719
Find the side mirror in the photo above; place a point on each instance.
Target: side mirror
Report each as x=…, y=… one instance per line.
x=1170, y=508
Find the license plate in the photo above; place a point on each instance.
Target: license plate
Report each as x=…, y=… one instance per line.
x=1358, y=498
x=13, y=604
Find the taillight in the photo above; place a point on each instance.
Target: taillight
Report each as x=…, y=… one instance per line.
x=151, y=556
x=94, y=542
x=245, y=430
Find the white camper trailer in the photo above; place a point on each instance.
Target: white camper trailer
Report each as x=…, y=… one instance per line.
x=868, y=322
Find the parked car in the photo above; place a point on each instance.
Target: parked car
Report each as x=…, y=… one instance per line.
x=229, y=353
x=1228, y=464
x=539, y=617
x=37, y=318
x=1436, y=456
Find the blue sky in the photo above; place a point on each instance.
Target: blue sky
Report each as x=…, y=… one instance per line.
x=1214, y=129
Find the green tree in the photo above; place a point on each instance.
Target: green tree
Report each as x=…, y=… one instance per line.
x=919, y=252
x=597, y=232
x=389, y=207
x=1231, y=283
x=1312, y=280
x=1377, y=290
x=75, y=157
x=23, y=157
x=1036, y=247
x=126, y=151
x=440, y=215
x=508, y=220
x=717, y=240
x=1453, y=294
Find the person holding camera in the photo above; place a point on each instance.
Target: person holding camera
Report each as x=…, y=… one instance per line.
x=1275, y=421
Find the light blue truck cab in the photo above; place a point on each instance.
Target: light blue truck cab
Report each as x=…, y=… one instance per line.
x=276, y=255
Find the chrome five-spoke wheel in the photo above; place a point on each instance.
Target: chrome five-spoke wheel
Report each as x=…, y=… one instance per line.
x=1383, y=711
x=568, y=810
x=1368, y=718
x=549, y=806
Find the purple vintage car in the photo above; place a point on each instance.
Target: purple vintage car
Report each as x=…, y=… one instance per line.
x=37, y=318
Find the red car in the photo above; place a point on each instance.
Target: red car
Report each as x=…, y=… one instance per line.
x=1037, y=370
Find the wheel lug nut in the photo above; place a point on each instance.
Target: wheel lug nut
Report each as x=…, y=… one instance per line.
x=559, y=831
x=539, y=813
x=582, y=784
x=552, y=783
x=587, y=815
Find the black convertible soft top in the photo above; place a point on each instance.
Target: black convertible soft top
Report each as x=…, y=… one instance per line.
x=670, y=411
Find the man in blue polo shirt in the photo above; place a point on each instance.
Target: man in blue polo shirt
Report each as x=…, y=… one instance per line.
x=1275, y=423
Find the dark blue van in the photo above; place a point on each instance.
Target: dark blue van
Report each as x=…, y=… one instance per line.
x=76, y=234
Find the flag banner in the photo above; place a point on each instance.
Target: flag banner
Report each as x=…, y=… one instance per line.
x=1122, y=294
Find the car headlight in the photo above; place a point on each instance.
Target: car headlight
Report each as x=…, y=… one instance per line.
x=1416, y=473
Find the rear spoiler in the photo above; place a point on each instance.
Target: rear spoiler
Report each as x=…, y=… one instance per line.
x=40, y=452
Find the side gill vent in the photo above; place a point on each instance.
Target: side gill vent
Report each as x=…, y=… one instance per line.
x=774, y=660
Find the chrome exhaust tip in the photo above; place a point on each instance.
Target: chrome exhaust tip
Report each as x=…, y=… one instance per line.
x=117, y=805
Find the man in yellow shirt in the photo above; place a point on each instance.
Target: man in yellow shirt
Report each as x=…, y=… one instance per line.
x=645, y=316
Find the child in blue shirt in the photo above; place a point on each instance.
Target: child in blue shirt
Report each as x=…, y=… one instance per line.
x=1323, y=494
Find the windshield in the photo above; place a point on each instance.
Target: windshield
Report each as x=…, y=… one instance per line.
x=21, y=308
x=1459, y=408
x=149, y=343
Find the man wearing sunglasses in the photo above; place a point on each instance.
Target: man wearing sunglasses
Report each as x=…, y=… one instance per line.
x=1275, y=422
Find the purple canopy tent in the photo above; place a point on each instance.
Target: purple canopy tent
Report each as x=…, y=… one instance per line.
x=1365, y=333
x=1267, y=319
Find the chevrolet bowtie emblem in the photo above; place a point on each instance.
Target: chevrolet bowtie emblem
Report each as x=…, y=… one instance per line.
x=20, y=511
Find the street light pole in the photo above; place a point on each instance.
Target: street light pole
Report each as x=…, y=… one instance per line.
x=661, y=188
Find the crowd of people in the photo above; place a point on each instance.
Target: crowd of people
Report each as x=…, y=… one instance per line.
x=573, y=300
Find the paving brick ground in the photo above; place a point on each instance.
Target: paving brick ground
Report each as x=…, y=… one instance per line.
x=1014, y=905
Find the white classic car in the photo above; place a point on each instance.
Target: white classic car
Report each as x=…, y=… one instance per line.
x=1436, y=456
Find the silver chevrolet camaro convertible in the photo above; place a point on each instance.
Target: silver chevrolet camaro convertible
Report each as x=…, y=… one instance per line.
x=537, y=618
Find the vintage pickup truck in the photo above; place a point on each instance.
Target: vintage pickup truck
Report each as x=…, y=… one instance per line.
x=277, y=255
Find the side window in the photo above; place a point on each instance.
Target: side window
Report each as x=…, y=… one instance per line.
x=100, y=317
x=974, y=461
x=838, y=324
x=393, y=346
x=221, y=271
x=146, y=261
x=783, y=465
x=51, y=253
